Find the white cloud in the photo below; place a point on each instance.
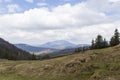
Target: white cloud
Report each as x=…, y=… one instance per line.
x=106, y=6
x=64, y=16
x=30, y=1
x=12, y=8
x=78, y=23
x=114, y=0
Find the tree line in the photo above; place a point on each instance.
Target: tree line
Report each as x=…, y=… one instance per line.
x=101, y=42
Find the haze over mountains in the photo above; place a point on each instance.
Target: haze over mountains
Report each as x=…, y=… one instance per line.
x=51, y=49
x=54, y=45
x=58, y=44
x=31, y=49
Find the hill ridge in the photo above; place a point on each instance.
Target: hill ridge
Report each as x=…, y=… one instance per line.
x=9, y=51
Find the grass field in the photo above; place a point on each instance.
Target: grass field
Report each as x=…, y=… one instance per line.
x=102, y=64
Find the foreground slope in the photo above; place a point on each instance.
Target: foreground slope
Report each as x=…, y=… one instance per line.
x=103, y=64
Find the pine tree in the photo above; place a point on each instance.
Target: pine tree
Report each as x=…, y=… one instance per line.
x=33, y=57
x=105, y=43
x=116, y=35
x=93, y=44
x=115, y=40
x=99, y=42
x=112, y=41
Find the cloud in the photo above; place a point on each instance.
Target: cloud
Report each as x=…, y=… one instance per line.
x=107, y=6
x=75, y=35
x=114, y=0
x=64, y=16
x=78, y=23
x=12, y=8
x=30, y=1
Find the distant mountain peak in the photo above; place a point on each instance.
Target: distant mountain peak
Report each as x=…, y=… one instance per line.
x=58, y=44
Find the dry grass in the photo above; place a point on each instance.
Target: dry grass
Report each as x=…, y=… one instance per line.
x=102, y=64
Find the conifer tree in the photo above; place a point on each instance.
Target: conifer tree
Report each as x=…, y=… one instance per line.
x=93, y=44
x=112, y=41
x=115, y=40
x=105, y=43
x=99, y=42
x=33, y=57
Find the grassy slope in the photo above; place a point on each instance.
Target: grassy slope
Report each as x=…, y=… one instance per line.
x=103, y=64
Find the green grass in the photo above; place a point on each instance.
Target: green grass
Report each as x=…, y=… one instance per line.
x=101, y=64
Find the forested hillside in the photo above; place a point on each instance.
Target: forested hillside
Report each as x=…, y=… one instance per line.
x=9, y=51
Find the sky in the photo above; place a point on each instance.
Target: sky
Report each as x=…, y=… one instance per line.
x=39, y=21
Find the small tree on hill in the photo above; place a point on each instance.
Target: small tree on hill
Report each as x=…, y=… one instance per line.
x=99, y=42
x=93, y=44
x=33, y=57
x=115, y=40
x=105, y=43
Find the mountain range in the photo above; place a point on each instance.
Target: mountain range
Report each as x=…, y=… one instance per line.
x=31, y=49
x=52, y=49
x=58, y=44
x=22, y=51
x=54, y=45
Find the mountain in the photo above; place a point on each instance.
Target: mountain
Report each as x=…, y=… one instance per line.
x=52, y=49
x=41, y=52
x=9, y=51
x=59, y=44
x=31, y=49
